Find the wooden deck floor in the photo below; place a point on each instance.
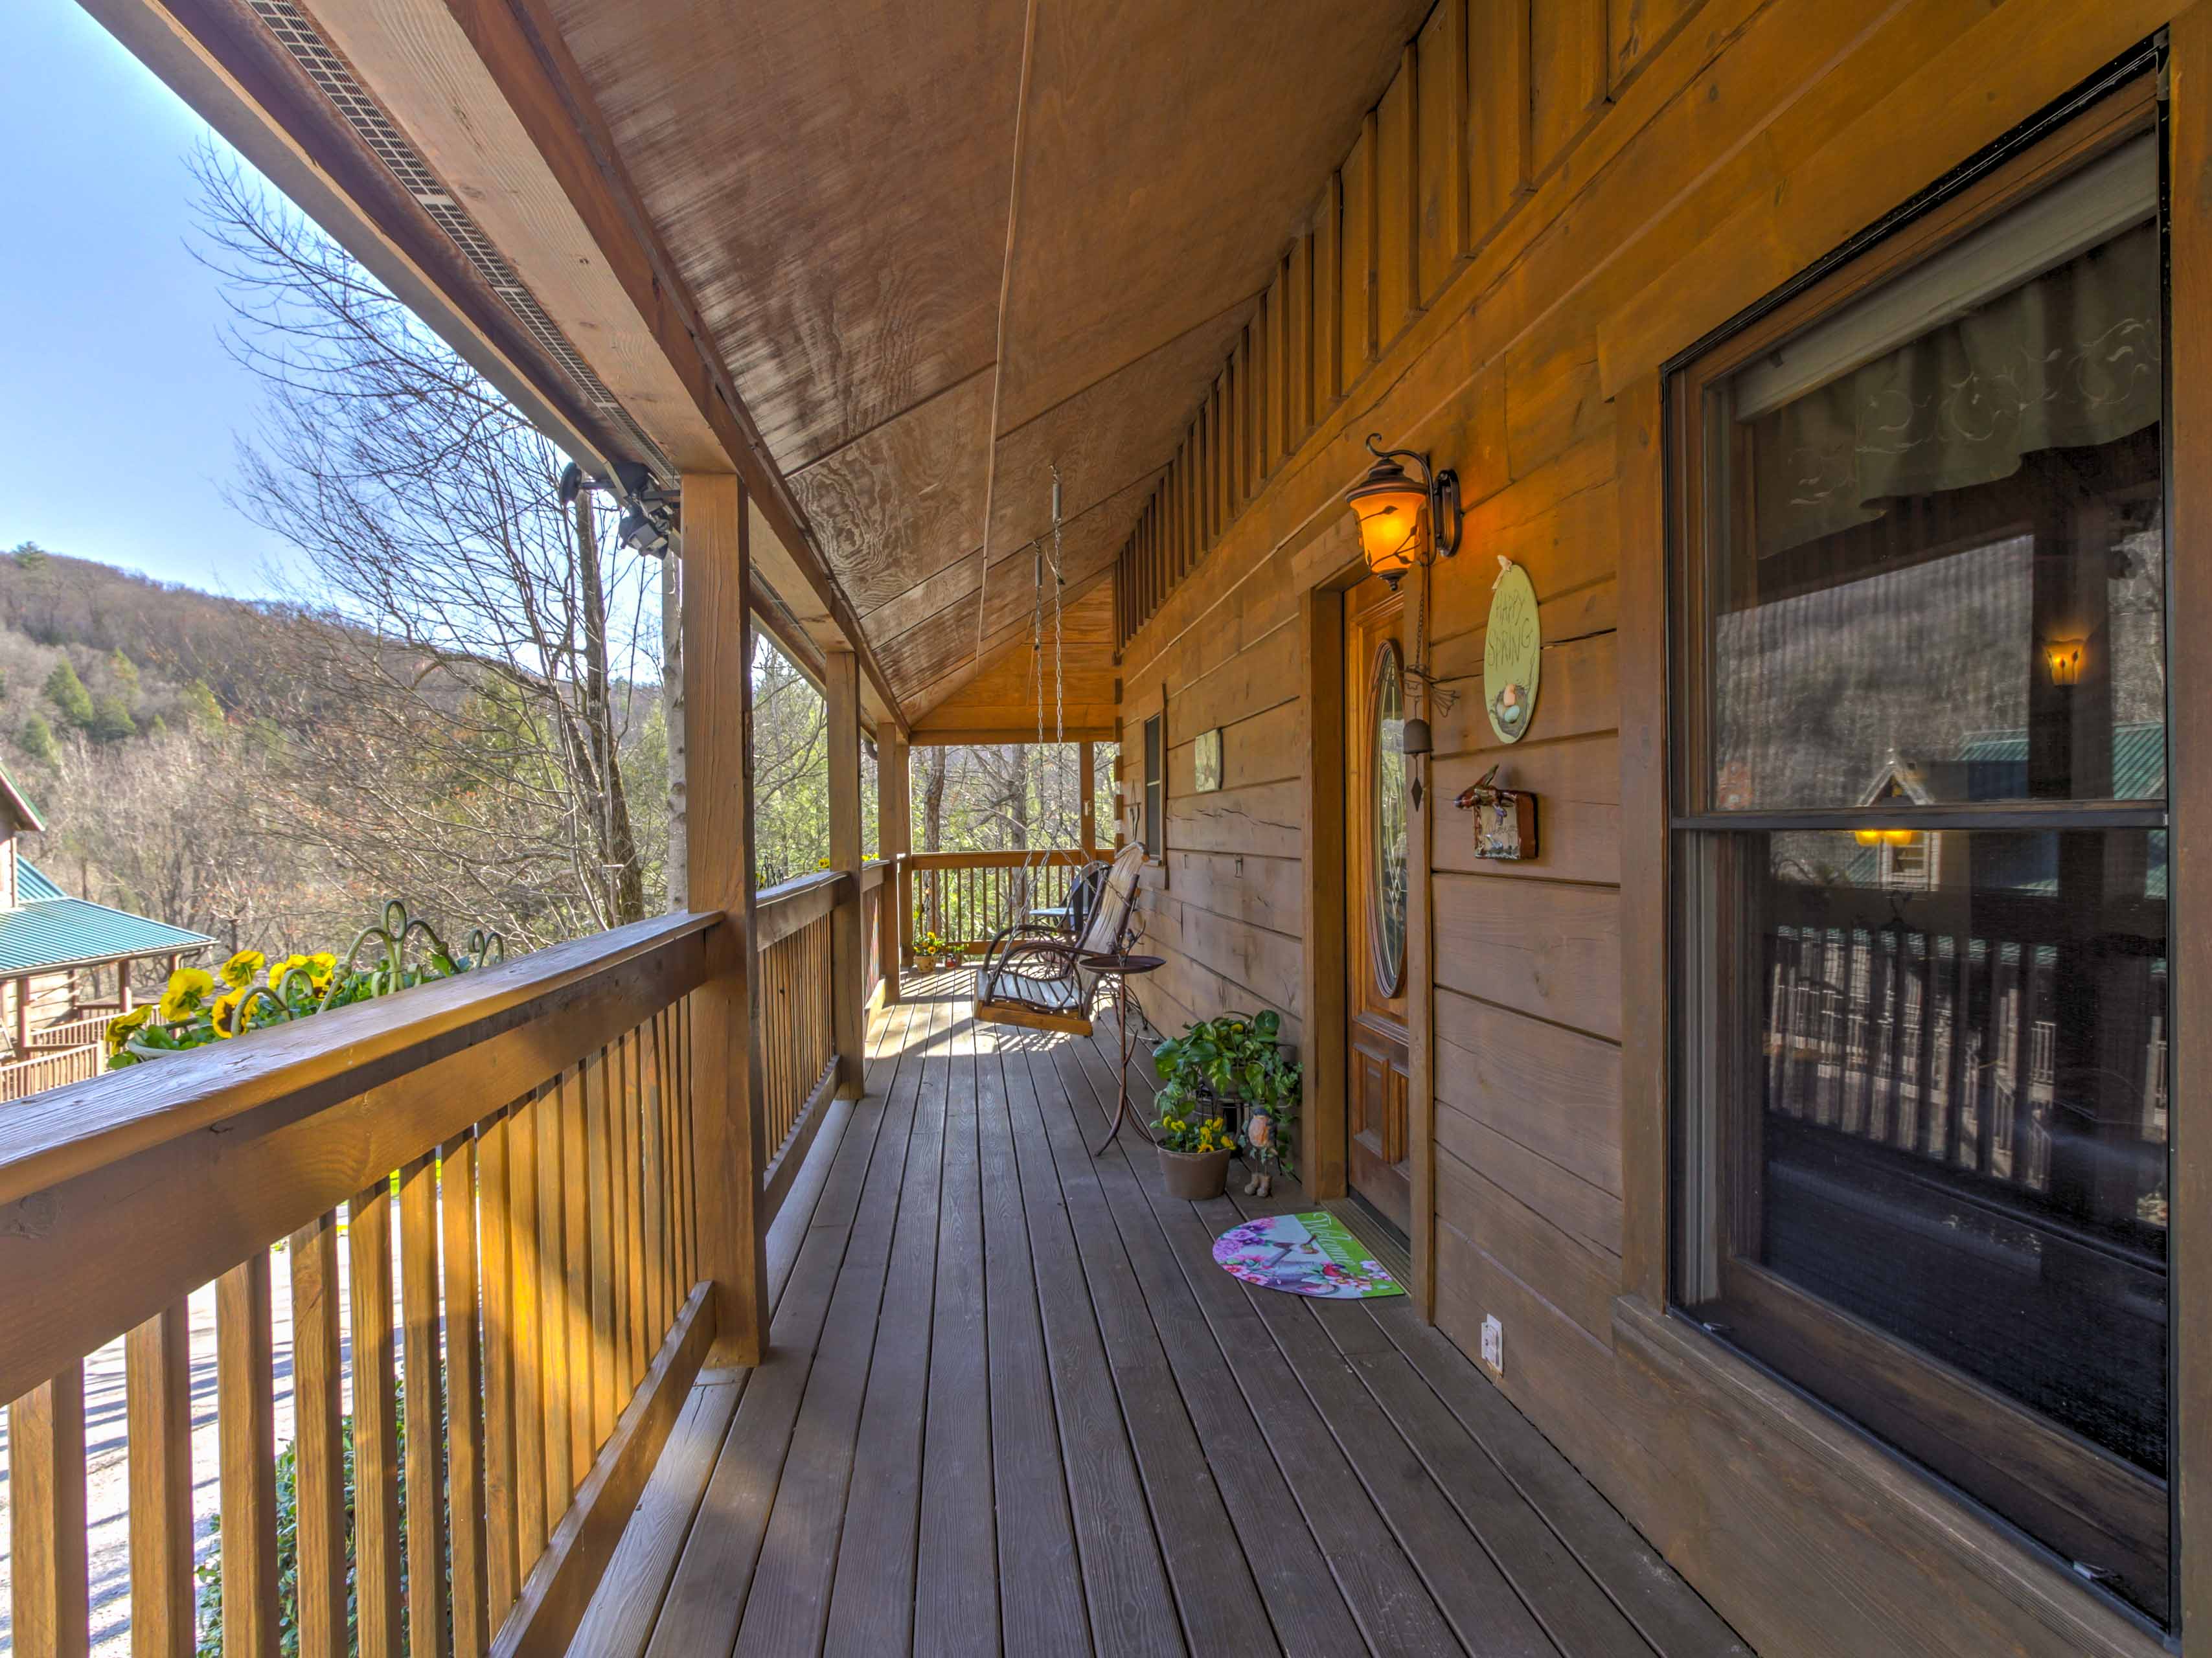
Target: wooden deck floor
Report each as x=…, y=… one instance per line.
x=1013, y=1406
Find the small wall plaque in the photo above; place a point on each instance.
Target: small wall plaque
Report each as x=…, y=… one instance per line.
x=1205, y=762
x=1504, y=819
x=1512, y=653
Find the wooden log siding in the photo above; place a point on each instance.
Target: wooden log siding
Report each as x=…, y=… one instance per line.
x=522, y=1300
x=1592, y=189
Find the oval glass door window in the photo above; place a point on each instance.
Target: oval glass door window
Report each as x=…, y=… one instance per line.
x=1386, y=907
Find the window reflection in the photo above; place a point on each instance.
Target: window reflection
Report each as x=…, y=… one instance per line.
x=1923, y=1057
x=1970, y=1075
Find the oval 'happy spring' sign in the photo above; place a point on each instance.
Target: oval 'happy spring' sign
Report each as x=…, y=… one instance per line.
x=1512, y=653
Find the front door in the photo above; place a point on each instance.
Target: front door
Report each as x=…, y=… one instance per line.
x=1376, y=835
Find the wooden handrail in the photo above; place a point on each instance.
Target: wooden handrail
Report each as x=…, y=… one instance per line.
x=781, y=910
x=1061, y=856
x=872, y=874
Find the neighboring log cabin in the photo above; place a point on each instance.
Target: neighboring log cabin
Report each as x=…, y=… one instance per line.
x=65, y=963
x=1789, y=1154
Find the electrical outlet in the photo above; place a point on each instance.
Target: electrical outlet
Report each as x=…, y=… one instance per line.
x=1494, y=1344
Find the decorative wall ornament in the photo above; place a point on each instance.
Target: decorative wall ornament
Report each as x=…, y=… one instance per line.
x=1205, y=762
x=1504, y=819
x=1512, y=653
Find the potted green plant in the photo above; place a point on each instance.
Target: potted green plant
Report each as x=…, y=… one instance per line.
x=1226, y=1071
x=1194, y=1145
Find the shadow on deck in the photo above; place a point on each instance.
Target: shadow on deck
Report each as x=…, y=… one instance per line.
x=1011, y=1405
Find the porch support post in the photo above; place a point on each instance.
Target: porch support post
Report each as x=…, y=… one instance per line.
x=123, y=986
x=894, y=829
x=841, y=677
x=718, y=864
x=1087, y=830
x=23, y=1016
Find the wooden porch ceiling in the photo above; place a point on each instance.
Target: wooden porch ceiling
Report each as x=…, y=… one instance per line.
x=942, y=247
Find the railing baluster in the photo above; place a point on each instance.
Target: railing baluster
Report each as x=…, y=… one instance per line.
x=532, y=1523
x=552, y=1309
x=246, y=1423
x=654, y=1193
x=680, y=1019
x=375, y=1424
x=629, y=1201
x=50, y=1578
x=608, y=1385
x=424, y=1406
x=576, y=1247
x=157, y=1363
x=465, y=1467
x=502, y=1487
x=319, y=1455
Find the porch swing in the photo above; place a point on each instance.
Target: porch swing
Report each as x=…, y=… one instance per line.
x=1033, y=974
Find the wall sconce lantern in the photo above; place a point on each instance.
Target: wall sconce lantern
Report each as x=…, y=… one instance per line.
x=1874, y=837
x=1391, y=504
x=2064, y=656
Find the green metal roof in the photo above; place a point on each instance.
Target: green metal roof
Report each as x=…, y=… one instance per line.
x=52, y=930
x=33, y=884
x=2138, y=756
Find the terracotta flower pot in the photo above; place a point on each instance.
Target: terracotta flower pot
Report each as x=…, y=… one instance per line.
x=1195, y=1175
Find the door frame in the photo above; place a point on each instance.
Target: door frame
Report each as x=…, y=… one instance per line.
x=1324, y=1125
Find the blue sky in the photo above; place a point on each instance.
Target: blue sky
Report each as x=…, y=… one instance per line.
x=117, y=402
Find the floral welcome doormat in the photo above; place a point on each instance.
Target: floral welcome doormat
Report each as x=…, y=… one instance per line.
x=1305, y=1256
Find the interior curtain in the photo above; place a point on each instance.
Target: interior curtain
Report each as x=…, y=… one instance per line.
x=2069, y=359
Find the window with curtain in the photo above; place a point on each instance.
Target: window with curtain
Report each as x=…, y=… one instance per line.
x=1920, y=1059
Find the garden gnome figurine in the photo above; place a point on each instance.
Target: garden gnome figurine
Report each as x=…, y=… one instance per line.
x=1259, y=1141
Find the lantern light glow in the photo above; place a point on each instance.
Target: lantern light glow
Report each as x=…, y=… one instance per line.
x=1402, y=518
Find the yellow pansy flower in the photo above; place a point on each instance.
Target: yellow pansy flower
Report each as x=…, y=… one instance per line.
x=120, y=1027
x=227, y=1022
x=237, y=972
x=188, y=989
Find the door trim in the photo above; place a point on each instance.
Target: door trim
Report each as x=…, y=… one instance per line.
x=1326, y=1120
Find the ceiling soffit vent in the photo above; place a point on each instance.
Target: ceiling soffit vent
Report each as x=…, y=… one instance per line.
x=292, y=30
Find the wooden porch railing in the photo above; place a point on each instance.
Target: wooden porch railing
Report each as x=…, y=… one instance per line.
x=797, y=1041
x=85, y=1031
x=968, y=896
x=483, y=1192
x=874, y=876
x=41, y=1070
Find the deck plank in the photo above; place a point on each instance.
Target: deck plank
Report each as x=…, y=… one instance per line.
x=1040, y=1606
x=1308, y=1609
x=1385, y=1593
x=619, y=1621
x=1221, y=1606
x=789, y=1602
x=1125, y=1585
x=707, y=1597
x=956, y=1611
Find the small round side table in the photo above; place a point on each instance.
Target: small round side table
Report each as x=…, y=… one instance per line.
x=1120, y=969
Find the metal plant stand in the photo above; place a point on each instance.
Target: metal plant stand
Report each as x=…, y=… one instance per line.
x=1120, y=969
